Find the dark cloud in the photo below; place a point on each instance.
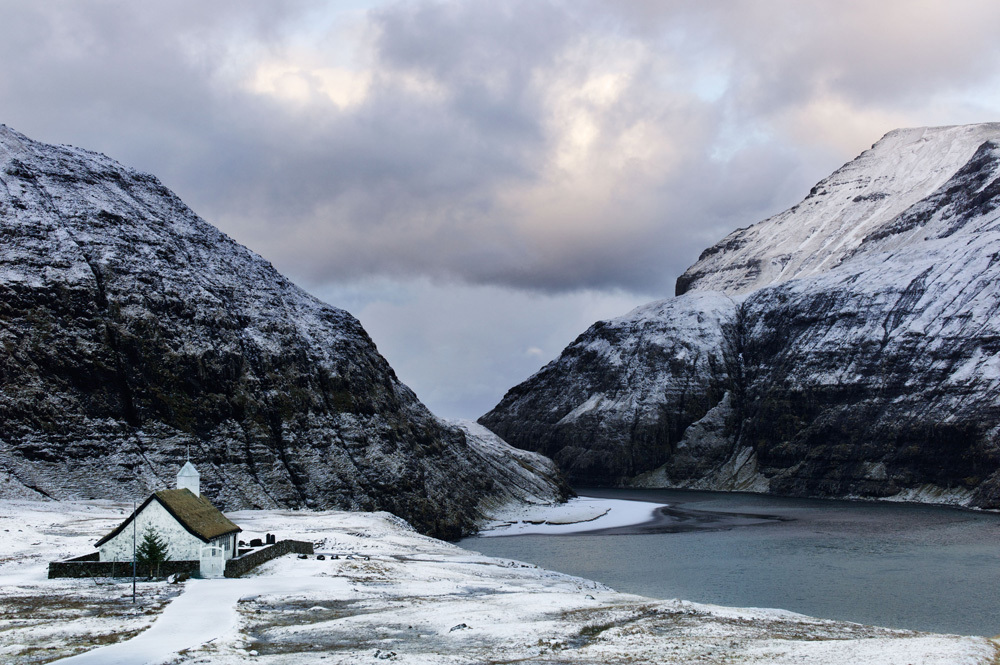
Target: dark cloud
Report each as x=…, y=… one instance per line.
x=478, y=151
x=535, y=146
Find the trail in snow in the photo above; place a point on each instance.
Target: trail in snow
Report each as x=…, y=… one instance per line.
x=204, y=612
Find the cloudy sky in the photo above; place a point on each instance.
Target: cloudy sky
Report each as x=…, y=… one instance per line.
x=478, y=182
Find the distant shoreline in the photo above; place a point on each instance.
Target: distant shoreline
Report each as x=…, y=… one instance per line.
x=599, y=516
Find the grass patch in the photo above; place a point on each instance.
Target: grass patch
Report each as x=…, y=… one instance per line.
x=39, y=624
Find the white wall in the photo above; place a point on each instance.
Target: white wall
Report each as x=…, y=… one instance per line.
x=182, y=545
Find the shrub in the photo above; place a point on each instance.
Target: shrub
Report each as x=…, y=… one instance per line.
x=152, y=551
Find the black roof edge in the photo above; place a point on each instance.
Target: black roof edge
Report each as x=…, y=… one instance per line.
x=121, y=527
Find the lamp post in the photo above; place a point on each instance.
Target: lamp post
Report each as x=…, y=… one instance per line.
x=133, y=551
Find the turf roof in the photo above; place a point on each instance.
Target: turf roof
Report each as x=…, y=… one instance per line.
x=194, y=513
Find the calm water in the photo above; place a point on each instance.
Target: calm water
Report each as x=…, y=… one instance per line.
x=898, y=565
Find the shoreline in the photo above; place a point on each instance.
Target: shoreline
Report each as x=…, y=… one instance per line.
x=601, y=516
x=578, y=515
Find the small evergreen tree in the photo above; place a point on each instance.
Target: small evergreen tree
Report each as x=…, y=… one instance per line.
x=151, y=552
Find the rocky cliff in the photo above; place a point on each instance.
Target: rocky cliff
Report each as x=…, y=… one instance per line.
x=849, y=346
x=133, y=332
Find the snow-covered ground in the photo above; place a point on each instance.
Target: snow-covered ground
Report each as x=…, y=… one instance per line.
x=392, y=595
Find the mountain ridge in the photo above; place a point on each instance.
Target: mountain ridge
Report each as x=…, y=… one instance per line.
x=134, y=331
x=862, y=362
x=859, y=198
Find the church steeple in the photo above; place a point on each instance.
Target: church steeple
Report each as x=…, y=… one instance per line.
x=189, y=478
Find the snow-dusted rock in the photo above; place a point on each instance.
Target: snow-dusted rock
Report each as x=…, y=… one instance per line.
x=132, y=331
x=842, y=214
x=859, y=345
x=523, y=479
x=617, y=400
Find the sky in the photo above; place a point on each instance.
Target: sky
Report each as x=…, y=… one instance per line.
x=479, y=182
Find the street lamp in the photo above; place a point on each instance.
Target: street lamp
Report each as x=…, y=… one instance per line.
x=133, y=551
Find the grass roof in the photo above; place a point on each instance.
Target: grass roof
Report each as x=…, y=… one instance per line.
x=194, y=513
x=197, y=515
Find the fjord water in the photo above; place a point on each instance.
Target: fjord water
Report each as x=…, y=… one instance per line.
x=889, y=564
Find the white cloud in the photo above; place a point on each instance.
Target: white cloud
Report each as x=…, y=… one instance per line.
x=835, y=124
x=299, y=85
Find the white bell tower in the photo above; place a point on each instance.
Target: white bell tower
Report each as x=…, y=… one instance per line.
x=189, y=478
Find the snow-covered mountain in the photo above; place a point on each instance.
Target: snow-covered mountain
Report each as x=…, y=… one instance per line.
x=847, y=212
x=849, y=346
x=133, y=332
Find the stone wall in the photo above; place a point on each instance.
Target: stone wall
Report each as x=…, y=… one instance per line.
x=88, y=565
x=244, y=564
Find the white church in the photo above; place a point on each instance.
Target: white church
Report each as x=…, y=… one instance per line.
x=192, y=527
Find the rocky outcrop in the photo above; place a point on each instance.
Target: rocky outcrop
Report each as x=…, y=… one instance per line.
x=857, y=351
x=133, y=332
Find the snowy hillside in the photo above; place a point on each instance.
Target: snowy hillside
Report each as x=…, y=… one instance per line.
x=858, y=354
x=859, y=202
x=608, y=407
x=393, y=595
x=133, y=331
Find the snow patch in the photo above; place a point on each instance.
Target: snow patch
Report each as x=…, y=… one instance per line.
x=955, y=496
x=575, y=516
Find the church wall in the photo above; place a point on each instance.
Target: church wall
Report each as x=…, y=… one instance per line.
x=182, y=546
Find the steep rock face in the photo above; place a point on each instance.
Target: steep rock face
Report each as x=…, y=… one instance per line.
x=133, y=332
x=619, y=398
x=860, y=351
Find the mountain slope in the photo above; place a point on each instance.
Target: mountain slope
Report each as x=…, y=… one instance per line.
x=858, y=355
x=619, y=398
x=134, y=332
x=862, y=198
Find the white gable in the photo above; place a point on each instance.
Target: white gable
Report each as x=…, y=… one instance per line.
x=181, y=544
